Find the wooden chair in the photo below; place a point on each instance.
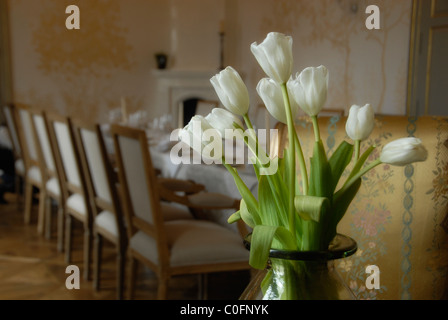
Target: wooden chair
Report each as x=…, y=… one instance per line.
x=74, y=187
x=50, y=174
x=172, y=247
x=10, y=114
x=34, y=178
x=108, y=220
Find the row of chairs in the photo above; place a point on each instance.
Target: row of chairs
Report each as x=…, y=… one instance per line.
x=148, y=218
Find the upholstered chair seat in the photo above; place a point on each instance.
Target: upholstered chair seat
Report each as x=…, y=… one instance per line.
x=34, y=174
x=187, y=246
x=19, y=166
x=53, y=186
x=172, y=211
x=77, y=203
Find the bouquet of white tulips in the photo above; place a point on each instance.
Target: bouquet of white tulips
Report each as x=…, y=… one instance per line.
x=285, y=214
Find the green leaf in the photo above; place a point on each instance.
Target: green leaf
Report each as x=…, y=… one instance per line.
x=250, y=218
x=358, y=165
x=245, y=192
x=261, y=243
x=285, y=238
x=272, y=211
x=320, y=173
x=341, y=202
x=281, y=166
x=339, y=161
x=311, y=207
x=234, y=217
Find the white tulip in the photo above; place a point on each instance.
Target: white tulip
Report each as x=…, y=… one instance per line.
x=309, y=89
x=360, y=122
x=202, y=138
x=272, y=96
x=232, y=91
x=223, y=120
x=403, y=151
x=274, y=55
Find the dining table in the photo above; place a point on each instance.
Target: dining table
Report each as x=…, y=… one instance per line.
x=173, y=159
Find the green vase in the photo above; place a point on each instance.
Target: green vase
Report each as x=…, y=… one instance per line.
x=302, y=275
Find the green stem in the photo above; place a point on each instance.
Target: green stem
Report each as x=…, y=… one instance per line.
x=292, y=161
x=254, y=136
x=273, y=180
x=316, y=128
x=302, y=164
x=251, y=201
x=250, y=126
x=367, y=168
x=357, y=149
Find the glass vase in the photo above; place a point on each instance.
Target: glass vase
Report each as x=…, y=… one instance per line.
x=302, y=275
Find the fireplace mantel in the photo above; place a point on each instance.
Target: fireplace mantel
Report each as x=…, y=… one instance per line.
x=178, y=74
x=175, y=86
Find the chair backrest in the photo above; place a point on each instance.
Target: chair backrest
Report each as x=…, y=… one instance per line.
x=40, y=127
x=98, y=171
x=28, y=137
x=139, y=185
x=61, y=133
x=11, y=123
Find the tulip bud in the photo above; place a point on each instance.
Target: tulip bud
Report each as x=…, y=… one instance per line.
x=360, y=122
x=272, y=96
x=403, y=151
x=223, y=120
x=199, y=135
x=309, y=89
x=274, y=55
x=232, y=91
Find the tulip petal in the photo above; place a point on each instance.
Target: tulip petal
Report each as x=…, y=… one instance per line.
x=403, y=151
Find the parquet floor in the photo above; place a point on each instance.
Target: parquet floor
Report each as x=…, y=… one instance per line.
x=31, y=268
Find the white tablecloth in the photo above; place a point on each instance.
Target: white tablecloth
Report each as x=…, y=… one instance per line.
x=214, y=177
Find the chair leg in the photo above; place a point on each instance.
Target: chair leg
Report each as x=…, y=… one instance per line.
x=41, y=212
x=19, y=191
x=133, y=268
x=98, y=244
x=87, y=251
x=202, y=286
x=28, y=201
x=162, y=288
x=48, y=216
x=121, y=267
x=61, y=217
x=68, y=238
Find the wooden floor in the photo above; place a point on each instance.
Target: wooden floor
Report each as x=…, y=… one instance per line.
x=31, y=268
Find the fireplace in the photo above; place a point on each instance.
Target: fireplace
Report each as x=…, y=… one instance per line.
x=176, y=86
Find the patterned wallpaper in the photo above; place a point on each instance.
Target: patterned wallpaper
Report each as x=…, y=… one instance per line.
x=85, y=72
x=365, y=65
x=83, y=62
